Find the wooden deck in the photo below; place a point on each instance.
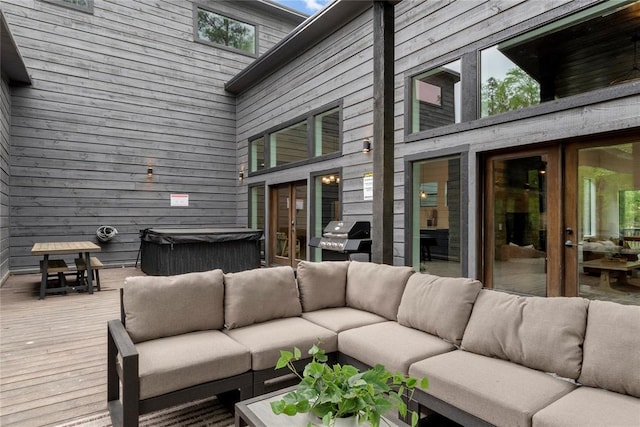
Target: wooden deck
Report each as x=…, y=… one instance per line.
x=53, y=351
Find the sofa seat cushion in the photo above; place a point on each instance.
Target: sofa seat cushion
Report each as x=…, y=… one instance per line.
x=322, y=284
x=173, y=363
x=390, y=344
x=440, y=306
x=265, y=340
x=342, y=318
x=540, y=333
x=157, y=307
x=612, y=348
x=377, y=288
x=259, y=295
x=495, y=390
x=590, y=407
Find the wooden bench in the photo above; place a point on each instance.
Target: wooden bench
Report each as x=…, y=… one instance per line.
x=56, y=267
x=81, y=267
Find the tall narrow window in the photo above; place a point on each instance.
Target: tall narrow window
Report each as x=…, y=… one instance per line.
x=256, y=154
x=436, y=99
x=256, y=212
x=327, y=132
x=326, y=205
x=437, y=216
x=589, y=207
x=225, y=31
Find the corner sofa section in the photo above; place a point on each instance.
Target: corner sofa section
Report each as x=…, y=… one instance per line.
x=491, y=358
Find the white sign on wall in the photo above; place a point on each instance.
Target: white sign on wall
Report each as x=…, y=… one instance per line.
x=367, y=186
x=180, y=200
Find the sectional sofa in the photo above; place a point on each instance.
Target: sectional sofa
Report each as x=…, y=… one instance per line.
x=491, y=358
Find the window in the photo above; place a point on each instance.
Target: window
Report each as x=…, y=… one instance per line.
x=436, y=216
x=316, y=135
x=81, y=5
x=326, y=204
x=436, y=97
x=256, y=156
x=289, y=145
x=256, y=212
x=592, y=49
x=588, y=207
x=221, y=30
x=327, y=132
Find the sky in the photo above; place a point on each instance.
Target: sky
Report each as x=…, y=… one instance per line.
x=306, y=6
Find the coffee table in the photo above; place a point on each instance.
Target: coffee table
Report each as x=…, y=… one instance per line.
x=256, y=412
x=608, y=267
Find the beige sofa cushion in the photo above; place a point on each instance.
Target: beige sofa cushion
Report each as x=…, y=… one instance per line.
x=156, y=307
x=259, y=295
x=265, y=340
x=612, y=348
x=497, y=391
x=440, y=306
x=322, y=284
x=340, y=319
x=541, y=333
x=590, y=407
x=376, y=288
x=390, y=344
x=173, y=363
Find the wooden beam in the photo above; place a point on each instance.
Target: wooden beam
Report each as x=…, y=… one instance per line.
x=383, y=170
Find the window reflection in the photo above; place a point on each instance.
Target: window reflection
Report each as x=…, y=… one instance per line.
x=289, y=145
x=436, y=97
x=327, y=132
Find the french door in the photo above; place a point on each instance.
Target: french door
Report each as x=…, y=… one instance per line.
x=555, y=217
x=288, y=223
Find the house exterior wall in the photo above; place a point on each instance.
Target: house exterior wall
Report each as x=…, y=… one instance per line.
x=5, y=125
x=338, y=69
x=114, y=92
x=430, y=34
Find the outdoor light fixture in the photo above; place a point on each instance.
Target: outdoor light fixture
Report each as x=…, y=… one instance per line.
x=366, y=145
x=241, y=175
x=149, y=172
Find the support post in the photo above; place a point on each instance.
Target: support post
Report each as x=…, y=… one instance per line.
x=383, y=144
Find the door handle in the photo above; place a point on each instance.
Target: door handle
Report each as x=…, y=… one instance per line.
x=569, y=244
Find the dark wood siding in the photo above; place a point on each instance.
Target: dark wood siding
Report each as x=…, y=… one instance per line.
x=113, y=93
x=5, y=125
x=340, y=68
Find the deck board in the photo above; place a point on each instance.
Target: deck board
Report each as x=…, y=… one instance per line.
x=53, y=351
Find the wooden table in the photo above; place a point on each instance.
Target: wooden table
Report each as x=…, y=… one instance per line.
x=607, y=267
x=83, y=249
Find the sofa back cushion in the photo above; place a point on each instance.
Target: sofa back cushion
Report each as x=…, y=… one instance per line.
x=322, y=284
x=376, y=288
x=612, y=348
x=540, y=333
x=440, y=306
x=259, y=295
x=156, y=307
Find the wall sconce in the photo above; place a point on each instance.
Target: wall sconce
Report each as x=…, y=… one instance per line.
x=366, y=145
x=149, y=172
x=241, y=175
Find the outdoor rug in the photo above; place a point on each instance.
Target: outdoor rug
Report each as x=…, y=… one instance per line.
x=207, y=412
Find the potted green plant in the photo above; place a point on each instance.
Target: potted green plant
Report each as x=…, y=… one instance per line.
x=342, y=391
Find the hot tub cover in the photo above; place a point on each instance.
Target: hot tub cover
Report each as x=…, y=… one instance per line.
x=170, y=236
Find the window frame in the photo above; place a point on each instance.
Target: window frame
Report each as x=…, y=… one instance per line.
x=85, y=9
x=311, y=142
x=315, y=254
x=250, y=208
x=470, y=55
x=197, y=39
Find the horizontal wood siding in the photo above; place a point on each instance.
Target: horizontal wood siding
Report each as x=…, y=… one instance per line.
x=113, y=93
x=340, y=68
x=5, y=125
x=433, y=33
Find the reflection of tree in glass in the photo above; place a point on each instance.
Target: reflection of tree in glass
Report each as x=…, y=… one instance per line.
x=225, y=31
x=516, y=90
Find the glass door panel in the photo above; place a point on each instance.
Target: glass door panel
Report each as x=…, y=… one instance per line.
x=608, y=221
x=517, y=211
x=288, y=222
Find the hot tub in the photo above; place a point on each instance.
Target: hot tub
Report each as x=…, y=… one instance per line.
x=170, y=251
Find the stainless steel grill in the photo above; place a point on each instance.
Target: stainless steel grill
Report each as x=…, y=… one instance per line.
x=346, y=237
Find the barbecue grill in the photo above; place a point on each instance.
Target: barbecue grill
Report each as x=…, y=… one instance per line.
x=344, y=237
